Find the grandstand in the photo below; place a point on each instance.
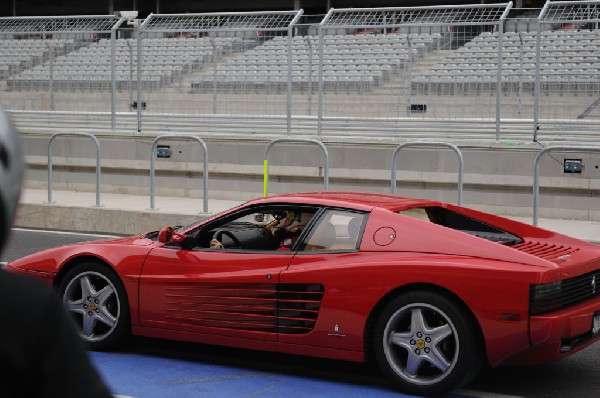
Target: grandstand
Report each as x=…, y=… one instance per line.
x=387, y=76
x=569, y=62
x=21, y=55
x=218, y=64
x=353, y=63
x=89, y=67
x=356, y=63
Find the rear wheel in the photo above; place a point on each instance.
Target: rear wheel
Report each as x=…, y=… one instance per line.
x=95, y=297
x=426, y=344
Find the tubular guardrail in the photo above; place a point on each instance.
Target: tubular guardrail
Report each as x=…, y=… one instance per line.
x=96, y=142
x=205, y=172
x=300, y=141
x=429, y=144
x=536, y=170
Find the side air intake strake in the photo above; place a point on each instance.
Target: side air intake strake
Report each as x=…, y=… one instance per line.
x=270, y=308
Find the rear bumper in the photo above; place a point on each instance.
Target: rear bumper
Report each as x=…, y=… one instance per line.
x=559, y=334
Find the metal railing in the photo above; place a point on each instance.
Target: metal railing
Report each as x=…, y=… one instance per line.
x=298, y=141
x=435, y=145
x=96, y=142
x=204, y=173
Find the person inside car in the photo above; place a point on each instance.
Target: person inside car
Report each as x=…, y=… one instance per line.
x=285, y=227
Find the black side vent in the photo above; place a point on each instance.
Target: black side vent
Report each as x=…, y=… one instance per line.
x=298, y=307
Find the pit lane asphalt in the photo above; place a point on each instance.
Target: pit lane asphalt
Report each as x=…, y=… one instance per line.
x=155, y=368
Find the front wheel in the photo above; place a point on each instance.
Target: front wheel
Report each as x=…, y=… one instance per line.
x=96, y=299
x=426, y=344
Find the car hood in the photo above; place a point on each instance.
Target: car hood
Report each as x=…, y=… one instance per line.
x=131, y=250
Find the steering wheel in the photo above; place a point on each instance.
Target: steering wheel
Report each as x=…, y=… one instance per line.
x=219, y=235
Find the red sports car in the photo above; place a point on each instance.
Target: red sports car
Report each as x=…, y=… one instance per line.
x=429, y=290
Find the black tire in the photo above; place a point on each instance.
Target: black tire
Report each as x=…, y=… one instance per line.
x=95, y=297
x=426, y=344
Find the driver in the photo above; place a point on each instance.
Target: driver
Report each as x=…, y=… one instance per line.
x=215, y=244
x=286, y=227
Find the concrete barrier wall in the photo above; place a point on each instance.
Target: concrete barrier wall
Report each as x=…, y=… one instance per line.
x=498, y=177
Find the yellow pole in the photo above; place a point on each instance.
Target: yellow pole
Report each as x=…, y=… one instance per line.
x=265, y=177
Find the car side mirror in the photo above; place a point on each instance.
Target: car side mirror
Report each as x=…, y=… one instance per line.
x=168, y=235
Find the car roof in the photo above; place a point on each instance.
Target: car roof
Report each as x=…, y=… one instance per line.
x=352, y=199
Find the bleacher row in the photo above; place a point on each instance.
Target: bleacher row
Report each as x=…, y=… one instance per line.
x=18, y=55
x=356, y=63
x=351, y=62
x=569, y=61
x=89, y=67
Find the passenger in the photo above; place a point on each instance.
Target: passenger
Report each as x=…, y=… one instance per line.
x=290, y=229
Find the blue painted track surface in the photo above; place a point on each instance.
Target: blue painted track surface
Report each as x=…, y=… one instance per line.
x=149, y=368
x=138, y=375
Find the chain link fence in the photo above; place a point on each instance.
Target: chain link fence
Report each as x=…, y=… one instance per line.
x=221, y=63
x=58, y=63
x=411, y=62
x=567, y=68
x=466, y=71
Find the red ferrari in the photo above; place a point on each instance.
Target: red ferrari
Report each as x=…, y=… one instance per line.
x=429, y=290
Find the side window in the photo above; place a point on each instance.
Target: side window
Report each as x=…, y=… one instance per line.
x=336, y=230
x=262, y=228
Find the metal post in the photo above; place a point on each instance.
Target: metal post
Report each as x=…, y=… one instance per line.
x=139, y=80
x=537, y=90
x=204, y=173
x=51, y=80
x=289, y=81
x=519, y=99
x=113, y=78
x=310, y=69
x=130, y=85
x=214, y=58
x=409, y=79
x=430, y=144
x=499, y=78
x=300, y=141
x=96, y=142
x=320, y=114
